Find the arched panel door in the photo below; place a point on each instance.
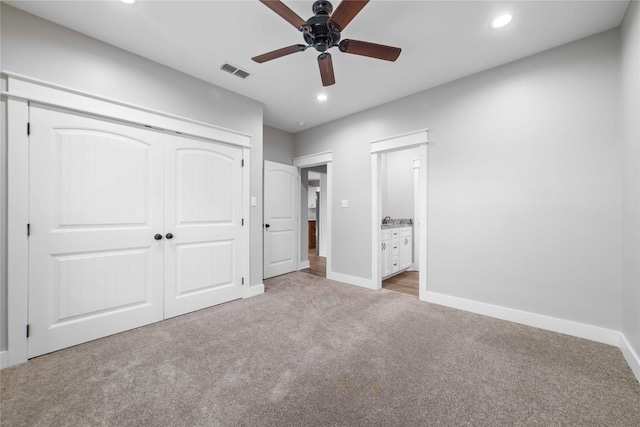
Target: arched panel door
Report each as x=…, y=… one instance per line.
x=203, y=224
x=281, y=218
x=95, y=205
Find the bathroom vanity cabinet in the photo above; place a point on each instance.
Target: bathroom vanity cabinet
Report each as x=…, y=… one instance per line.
x=397, y=250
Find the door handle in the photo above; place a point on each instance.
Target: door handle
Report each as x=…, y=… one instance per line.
x=169, y=236
x=158, y=237
x=267, y=226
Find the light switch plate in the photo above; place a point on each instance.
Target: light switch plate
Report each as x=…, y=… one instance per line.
x=345, y=203
x=253, y=201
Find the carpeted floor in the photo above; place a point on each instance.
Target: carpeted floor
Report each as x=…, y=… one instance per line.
x=315, y=352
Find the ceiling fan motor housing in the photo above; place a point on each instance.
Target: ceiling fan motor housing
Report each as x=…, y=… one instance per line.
x=319, y=33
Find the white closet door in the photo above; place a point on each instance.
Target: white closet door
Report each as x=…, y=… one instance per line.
x=203, y=214
x=95, y=205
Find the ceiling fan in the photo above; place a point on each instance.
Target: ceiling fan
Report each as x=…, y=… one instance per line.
x=322, y=32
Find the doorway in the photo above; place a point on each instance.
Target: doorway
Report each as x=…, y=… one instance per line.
x=383, y=239
x=321, y=163
x=398, y=204
x=315, y=181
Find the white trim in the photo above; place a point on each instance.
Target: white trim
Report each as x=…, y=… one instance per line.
x=376, y=215
x=630, y=355
x=351, y=280
x=3, y=359
x=30, y=89
x=328, y=227
x=304, y=264
x=252, y=291
x=311, y=160
x=246, y=214
x=568, y=327
x=407, y=140
x=299, y=203
x=423, y=221
x=404, y=140
x=17, y=219
x=415, y=266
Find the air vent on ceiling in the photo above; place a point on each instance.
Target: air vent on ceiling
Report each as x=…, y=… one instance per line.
x=236, y=71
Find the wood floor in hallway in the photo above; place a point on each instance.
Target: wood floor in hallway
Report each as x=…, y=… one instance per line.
x=318, y=264
x=405, y=282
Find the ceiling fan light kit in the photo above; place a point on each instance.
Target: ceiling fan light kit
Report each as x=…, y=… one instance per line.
x=322, y=32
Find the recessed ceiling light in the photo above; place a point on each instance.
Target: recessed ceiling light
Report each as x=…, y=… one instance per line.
x=128, y=1
x=501, y=21
x=301, y=123
x=321, y=97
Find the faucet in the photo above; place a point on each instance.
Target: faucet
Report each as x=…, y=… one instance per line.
x=386, y=219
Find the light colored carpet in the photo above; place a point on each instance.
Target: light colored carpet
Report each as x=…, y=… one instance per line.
x=315, y=352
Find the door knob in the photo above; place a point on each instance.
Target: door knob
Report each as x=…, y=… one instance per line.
x=169, y=236
x=267, y=226
x=158, y=237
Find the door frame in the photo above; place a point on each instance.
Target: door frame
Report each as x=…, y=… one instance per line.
x=20, y=91
x=418, y=139
x=309, y=161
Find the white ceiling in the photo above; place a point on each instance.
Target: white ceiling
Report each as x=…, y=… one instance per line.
x=441, y=41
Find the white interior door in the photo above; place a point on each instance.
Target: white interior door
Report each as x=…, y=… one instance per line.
x=96, y=202
x=203, y=224
x=281, y=197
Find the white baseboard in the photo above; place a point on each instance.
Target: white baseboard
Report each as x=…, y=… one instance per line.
x=630, y=355
x=3, y=359
x=351, y=280
x=304, y=264
x=568, y=327
x=252, y=290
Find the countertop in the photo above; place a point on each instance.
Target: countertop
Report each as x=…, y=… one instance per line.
x=394, y=223
x=383, y=226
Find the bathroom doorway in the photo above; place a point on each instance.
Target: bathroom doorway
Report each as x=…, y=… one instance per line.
x=400, y=227
x=399, y=212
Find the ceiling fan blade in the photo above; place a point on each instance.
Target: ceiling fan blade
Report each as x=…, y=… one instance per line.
x=373, y=50
x=283, y=10
x=346, y=11
x=279, y=53
x=326, y=69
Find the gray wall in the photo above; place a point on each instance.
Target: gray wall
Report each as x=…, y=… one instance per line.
x=630, y=92
x=47, y=51
x=397, y=183
x=278, y=145
x=523, y=182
